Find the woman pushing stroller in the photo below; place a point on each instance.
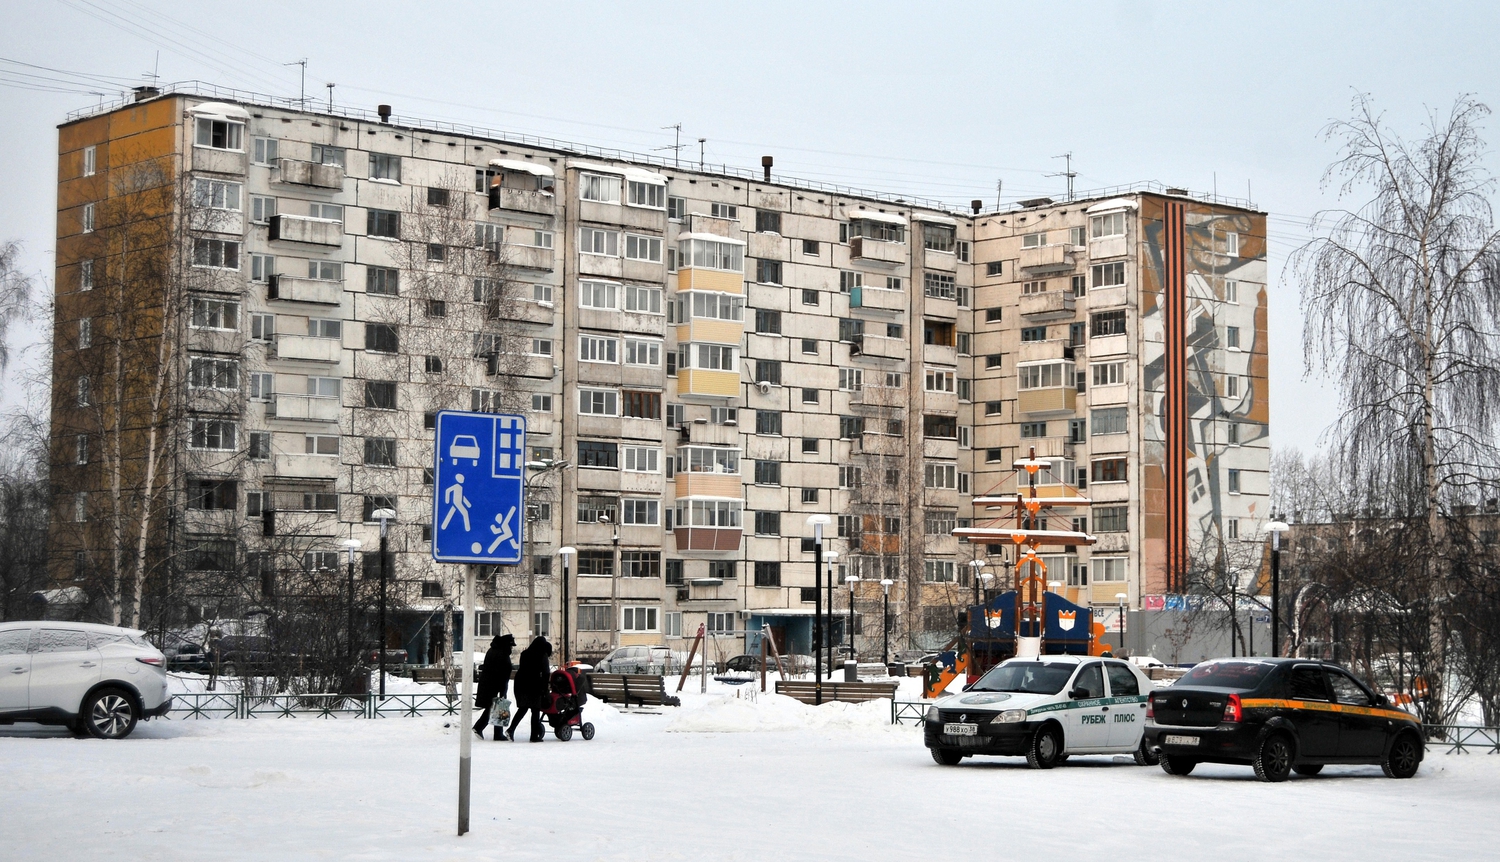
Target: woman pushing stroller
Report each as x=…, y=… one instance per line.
x=532, y=694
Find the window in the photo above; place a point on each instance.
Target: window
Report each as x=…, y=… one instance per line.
x=380, y=451
x=851, y=427
x=220, y=134
x=965, y=389
x=712, y=254
x=598, y=402
x=213, y=495
x=380, y=394
x=592, y=348
x=211, y=373
x=1232, y=386
x=1031, y=288
x=1044, y=376
x=1232, y=337
x=1108, y=274
x=810, y=445
x=1033, y=333
x=1107, y=323
x=1109, y=420
x=939, y=522
x=320, y=444
x=938, y=237
x=938, y=571
x=850, y=280
x=592, y=618
x=729, y=211
x=767, y=574
x=1109, y=224
x=1231, y=528
x=717, y=306
x=943, y=427
x=436, y=197
x=379, y=337
x=1033, y=429
x=768, y=472
x=598, y=294
x=81, y=449
x=636, y=619
x=767, y=524
x=642, y=459
x=597, y=187
x=217, y=194
x=810, y=346
x=1112, y=519
x=939, y=475
x=938, y=285
x=85, y=332
x=767, y=422
x=437, y=252
x=1231, y=291
x=767, y=321
x=1232, y=433
x=809, y=396
x=641, y=513
x=85, y=275
x=260, y=445
x=598, y=454
x=768, y=271
x=216, y=253
x=1078, y=235
x=1232, y=244
x=263, y=151
x=676, y=208
x=643, y=247
x=1234, y=481
x=383, y=223
x=89, y=161
x=218, y=435
x=1108, y=569
x=1033, y=240
x=1108, y=373
x=1109, y=470
x=640, y=405
x=540, y=403
x=598, y=510
x=768, y=371
x=323, y=155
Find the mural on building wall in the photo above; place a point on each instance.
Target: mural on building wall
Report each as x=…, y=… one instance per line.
x=1223, y=385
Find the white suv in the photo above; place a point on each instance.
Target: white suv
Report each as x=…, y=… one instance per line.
x=96, y=680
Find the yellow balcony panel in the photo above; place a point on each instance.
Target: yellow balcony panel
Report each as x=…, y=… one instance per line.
x=1053, y=400
x=701, y=381
x=690, y=278
x=712, y=331
x=709, y=485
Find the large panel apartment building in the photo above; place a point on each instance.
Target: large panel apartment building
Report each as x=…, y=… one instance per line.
x=717, y=355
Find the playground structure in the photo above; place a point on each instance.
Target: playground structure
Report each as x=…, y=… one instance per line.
x=1027, y=619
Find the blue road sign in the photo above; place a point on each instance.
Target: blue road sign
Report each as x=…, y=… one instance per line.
x=478, y=477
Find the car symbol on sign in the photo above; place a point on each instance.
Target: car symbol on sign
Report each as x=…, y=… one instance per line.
x=464, y=446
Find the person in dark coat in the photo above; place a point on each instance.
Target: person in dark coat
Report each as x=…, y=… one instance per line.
x=494, y=680
x=531, y=687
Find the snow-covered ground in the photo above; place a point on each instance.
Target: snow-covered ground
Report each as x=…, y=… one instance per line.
x=722, y=778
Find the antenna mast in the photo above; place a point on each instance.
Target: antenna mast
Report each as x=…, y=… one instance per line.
x=302, y=98
x=676, y=147
x=1067, y=171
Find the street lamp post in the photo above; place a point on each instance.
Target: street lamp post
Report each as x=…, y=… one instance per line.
x=1234, y=612
x=985, y=591
x=851, y=580
x=885, y=620
x=817, y=522
x=1121, y=597
x=976, y=564
x=384, y=516
x=352, y=546
x=541, y=469
x=828, y=559
x=614, y=589
x=567, y=555
x=1276, y=528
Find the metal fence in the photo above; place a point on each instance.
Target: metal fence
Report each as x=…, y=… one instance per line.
x=1463, y=738
x=223, y=704
x=909, y=711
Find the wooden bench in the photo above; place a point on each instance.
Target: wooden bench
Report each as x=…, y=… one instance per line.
x=847, y=692
x=630, y=689
x=427, y=674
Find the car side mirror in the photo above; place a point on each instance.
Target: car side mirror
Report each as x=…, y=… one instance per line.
x=1382, y=700
x=1078, y=693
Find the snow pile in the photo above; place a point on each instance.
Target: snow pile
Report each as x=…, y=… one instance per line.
x=775, y=712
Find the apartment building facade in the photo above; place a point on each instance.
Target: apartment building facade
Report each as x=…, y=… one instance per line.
x=715, y=355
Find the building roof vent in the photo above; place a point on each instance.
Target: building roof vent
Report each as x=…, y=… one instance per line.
x=1036, y=202
x=385, y=113
x=976, y=205
x=766, y=162
x=144, y=93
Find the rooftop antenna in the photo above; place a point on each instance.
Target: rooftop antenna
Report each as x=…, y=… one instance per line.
x=302, y=99
x=701, y=142
x=1067, y=171
x=676, y=148
x=330, y=85
x=999, y=189
x=155, y=68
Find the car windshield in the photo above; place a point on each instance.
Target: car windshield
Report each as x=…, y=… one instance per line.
x=1029, y=677
x=1242, y=675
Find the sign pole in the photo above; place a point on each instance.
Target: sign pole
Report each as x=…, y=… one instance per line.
x=465, y=744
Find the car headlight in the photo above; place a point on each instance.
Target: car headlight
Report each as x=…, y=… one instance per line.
x=932, y=713
x=1009, y=716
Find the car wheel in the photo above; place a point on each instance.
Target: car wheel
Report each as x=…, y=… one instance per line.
x=564, y=733
x=1045, y=750
x=1403, y=758
x=1308, y=768
x=588, y=730
x=946, y=756
x=229, y=669
x=1173, y=765
x=108, y=714
x=1273, y=762
x=1145, y=755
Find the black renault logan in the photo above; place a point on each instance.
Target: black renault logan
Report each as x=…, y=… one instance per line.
x=1280, y=716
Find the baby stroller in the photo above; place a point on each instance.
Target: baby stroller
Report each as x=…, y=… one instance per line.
x=564, y=708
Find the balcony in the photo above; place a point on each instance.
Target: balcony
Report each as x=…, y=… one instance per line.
x=1109, y=246
x=699, y=431
x=308, y=174
x=877, y=299
x=520, y=200
x=711, y=330
x=878, y=347
x=308, y=408
x=1056, y=399
x=1050, y=305
x=1108, y=297
x=873, y=443
x=306, y=229
x=1032, y=351
x=528, y=257
x=291, y=289
x=306, y=466
x=709, y=485
x=309, y=349
x=863, y=248
x=1057, y=257
x=702, y=381
x=692, y=278
x=707, y=538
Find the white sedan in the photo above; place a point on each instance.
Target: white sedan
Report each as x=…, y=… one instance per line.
x=94, y=679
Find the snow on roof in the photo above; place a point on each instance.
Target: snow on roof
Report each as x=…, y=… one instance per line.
x=645, y=176
x=522, y=166
x=934, y=218
x=640, y=175
x=1114, y=204
x=597, y=168
x=710, y=237
x=219, y=111
x=870, y=215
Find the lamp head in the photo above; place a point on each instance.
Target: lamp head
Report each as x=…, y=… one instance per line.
x=885, y=583
x=566, y=552
x=830, y=556
x=1121, y=597
x=851, y=580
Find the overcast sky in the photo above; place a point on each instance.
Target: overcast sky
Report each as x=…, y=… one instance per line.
x=939, y=100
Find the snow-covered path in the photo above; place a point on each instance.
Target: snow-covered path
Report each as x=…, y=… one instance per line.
x=832, y=785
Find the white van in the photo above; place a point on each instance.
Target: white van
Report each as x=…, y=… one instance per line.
x=1044, y=708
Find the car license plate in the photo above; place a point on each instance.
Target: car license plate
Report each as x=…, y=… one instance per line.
x=960, y=729
x=1171, y=739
